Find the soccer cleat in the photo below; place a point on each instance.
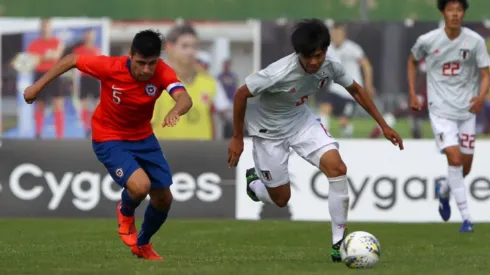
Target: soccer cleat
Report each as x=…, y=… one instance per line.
x=126, y=228
x=444, y=207
x=251, y=176
x=146, y=252
x=336, y=257
x=467, y=227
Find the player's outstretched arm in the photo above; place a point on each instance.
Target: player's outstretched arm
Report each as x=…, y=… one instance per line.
x=62, y=66
x=235, y=148
x=415, y=104
x=363, y=98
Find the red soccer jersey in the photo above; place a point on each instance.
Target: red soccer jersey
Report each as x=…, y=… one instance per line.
x=126, y=105
x=40, y=47
x=84, y=50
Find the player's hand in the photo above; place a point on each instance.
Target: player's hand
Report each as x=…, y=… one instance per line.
x=235, y=149
x=393, y=136
x=477, y=104
x=171, y=119
x=31, y=93
x=415, y=103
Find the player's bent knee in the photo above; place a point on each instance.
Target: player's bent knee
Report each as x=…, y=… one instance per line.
x=161, y=198
x=281, y=202
x=280, y=195
x=138, y=184
x=453, y=156
x=332, y=165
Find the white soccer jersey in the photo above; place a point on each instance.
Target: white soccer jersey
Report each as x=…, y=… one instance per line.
x=350, y=54
x=284, y=87
x=452, y=70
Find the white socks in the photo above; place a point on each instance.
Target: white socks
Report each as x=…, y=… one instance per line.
x=261, y=191
x=338, y=206
x=338, y=203
x=455, y=181
x=444, y=191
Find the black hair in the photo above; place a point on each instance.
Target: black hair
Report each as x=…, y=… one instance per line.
x=441, y=4
x=310, y=35
x=179, y=30
x=147, y=43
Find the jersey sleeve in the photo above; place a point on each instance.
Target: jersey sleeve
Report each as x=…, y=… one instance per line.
x=340, y=76
x=358, y=52
x=97, y=66
x=221, y=101
x=482, y=59
x=170, y=81
x=259, y=82
x=419, y=49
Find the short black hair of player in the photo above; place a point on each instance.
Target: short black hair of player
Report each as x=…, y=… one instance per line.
x=310, y=35
x=175, y=33
x=147, y=43
x=441, y=4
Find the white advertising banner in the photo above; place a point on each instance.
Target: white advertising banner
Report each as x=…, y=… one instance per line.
x=385, y=184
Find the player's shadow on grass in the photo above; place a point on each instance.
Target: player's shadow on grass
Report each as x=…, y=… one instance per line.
x=271, y=211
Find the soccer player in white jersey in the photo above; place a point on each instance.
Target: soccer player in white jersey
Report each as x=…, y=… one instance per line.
x=336, y=99
x=282, y=121
x=457, y=83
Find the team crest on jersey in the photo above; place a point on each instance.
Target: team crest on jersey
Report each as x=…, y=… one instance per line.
x=119, y=172
x=151, y=89
x=322, y=82
x=464, y=53
x=267, y=175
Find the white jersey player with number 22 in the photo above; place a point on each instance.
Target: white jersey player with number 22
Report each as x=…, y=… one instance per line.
x=457, y=83
x=283, y=121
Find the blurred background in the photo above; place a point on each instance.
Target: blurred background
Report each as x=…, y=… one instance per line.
x=213, y=46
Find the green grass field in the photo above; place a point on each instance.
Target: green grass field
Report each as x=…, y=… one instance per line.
x=70, y=246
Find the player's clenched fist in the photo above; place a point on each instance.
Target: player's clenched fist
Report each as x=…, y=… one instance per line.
x=171, y=119
x=235, y=149
x=30, y=94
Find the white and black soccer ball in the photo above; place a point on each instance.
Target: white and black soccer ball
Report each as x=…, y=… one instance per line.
x=360, y=250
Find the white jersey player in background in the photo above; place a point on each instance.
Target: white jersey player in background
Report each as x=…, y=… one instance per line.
x=282, y=121
x=457, y=83
x=335, y=99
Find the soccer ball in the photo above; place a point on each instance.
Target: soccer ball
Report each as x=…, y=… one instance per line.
x=360, y=250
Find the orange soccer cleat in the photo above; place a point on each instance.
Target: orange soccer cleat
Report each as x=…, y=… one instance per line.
x=146, y=251
x=126, y=228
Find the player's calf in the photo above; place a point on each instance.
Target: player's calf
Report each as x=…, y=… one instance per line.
x=137, y=188
x=258, y=191
x=334, y=168
x=155, y=215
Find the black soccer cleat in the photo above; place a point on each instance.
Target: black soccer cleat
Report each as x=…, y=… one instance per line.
x=251, y=176
x=336, y=256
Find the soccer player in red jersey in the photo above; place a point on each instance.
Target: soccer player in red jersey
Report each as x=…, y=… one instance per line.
x=48, y=50
x=122, y=135
x=89, y=86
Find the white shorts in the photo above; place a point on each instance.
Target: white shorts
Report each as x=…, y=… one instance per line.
x=449, y=132
x=271, y=156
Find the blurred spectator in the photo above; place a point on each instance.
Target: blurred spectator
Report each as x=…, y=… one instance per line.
x=228, y=79
x=48, y=50
x=337, y=100
x=182, y=46
x=203, y=61
x=89, y=86
x=223, y=118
